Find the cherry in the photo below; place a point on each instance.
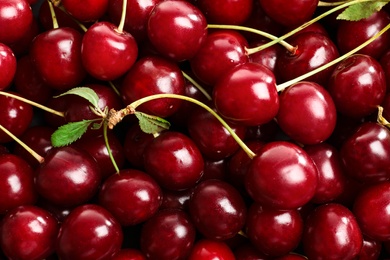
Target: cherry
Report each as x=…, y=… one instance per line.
x=371, y=249
x=284, y=184
x=226, y=11
x=214, y=170
x=207, y=249
x=107, y=53
x=7, y=66
x=365, y=154
x=221, y=51
x=357, y=86
x=22, y=46
x=247, y=95
x=68, y=177
x=331, y=232
x=217, y=209
x=176, y=199
x=184, y=30
x=274, y=232
x=153, y=75
x=174, y=161
x=307, y=113
x=89, y=232
x=352, y=34
x=56, y=54
x=28, y=232
x=129, y=254
x=86, y=11
x=17, y=183
x=290, y=14
x=266, y=57
x=169, y=234
x=370, y=209
x=15, y=20
x=249, y=252
x=135, y=186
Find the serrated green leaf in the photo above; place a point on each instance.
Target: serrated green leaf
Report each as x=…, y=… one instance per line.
x=69, y=133
x=151, y=124
x=84, y=92
x=360, y=11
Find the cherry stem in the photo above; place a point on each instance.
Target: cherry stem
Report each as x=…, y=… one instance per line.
x=322, y=3
x=114, y=88
x=123, y=17
x=39, y=158
x=380, y=119
x=108, y=147
x=286, y=84
x=82, y=26
x=303, y=26
x=115, y=117
x=53, y=15
x=250, y=51
x=35, y=104
x=199, y=87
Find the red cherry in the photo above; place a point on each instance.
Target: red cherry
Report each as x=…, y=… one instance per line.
x=86, y=11
x=129, y=254
x=7, y=66
x=206, y=249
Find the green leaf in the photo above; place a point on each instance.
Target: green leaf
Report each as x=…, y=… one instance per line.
x=69, y=133
x=152, y=124
x=84, y=92
x=360, y=11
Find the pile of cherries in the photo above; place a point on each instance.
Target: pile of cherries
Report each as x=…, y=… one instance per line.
x=289, y=166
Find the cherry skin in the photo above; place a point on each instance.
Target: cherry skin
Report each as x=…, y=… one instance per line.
x=176, y=199
x=247, y=95
x=68, y=177
x=135, y=186
x=34, y=233
x=274, y=232
x=153, y=75
x=331, y=232
x=106, y=52
x=207, y=249
x=129, y=254
x=174, y=161
x=284, y=184
x=15, y=20
x=365, y=154
x=266, y=57
x=89, y=232
x=184, y=30
x=248, y=251
x=307, y=113
x=17, y=183
x=217, y=209
x=371, y=249
x=169, y=234
x=7, y=66
x=56, y=55
x=370, y=209
x=86, y=11
x=357, y=86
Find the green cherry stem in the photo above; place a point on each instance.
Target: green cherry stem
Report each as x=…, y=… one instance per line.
x=286, y=84
x=53, y=15
x=322, y=3
x=114, y=117
x=108, y=147
x=82, y=26
x=199, y=87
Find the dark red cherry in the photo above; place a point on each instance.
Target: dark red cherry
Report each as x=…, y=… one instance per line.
x=86, y=11
x=89, y=232
x=366, y=153
x=169, y=234
x=331, y=232
x=350, y=34
x=129, y=254
x=28, y=232
x=221, y=51
x=153, y=75
x=371, y=249
x=56, y=54
x=7, y=66
x=371, y=211
x=307, y=113
x=357, y=86
x=68, y=177
x=385, y=63
x=266, y=57
x=106, y=52
x=247, y=95
x=282, y=175
x=15, y=20
x=174, y=161
x=176, y=199
x=274, y=232
x=217, y=209
x=249, y=252
x=313, y=51
x=132, y=186
x=16, y=183
x=22, y=46
x=207, y=249
x=184, y=30
x=291, y=13
x=214, y=169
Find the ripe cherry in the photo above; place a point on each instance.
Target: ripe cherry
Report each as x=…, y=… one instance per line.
x=207, y=249
x=7, y=66
x=129, y=254
x=86, y=11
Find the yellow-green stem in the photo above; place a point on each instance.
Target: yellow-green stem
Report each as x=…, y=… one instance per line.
x=199, y=87
x=114, y=88
x=53, y=15
x=326, y=4
x=123, y=17
x=109, y=148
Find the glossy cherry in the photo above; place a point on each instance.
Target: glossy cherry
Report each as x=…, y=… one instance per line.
x=89, y=232
x=7, y=66
x=371, y=249
x=266, y=57
x=247, y=95
x=135, y=186
x=86, y=11
x=28, y=232
x=283, y=184
x=176, y=199
x=129, y=254
x=207, y=249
